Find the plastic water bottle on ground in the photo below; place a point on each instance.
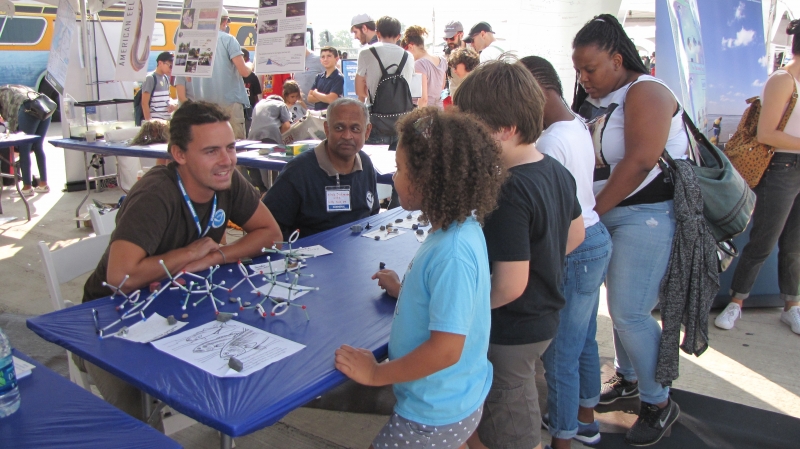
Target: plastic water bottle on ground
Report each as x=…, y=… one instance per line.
x=9, y=392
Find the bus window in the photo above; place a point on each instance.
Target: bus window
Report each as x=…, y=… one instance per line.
x=246, y=36
x=23, y=30
x=159, y=35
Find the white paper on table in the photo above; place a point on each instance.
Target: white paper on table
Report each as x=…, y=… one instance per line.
x=258, y=146
x=383, y=234
x=278, y=266
x=21, y=367
x=280, y=290
x=209, y=347
x=382, y=159
x=155, y=327
x=316, y=250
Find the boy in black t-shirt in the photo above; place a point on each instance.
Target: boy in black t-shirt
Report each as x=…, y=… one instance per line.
x=329, y=85
x=538, y=221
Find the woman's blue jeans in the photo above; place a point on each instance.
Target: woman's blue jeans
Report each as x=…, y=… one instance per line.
x=31, y=125
x=642, y=239
x=572, y=361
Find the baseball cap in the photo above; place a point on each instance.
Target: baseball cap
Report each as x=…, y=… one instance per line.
x=452, y=28
x=164, y=56
x=360, y=18
x=476, y=29
x=224, y=13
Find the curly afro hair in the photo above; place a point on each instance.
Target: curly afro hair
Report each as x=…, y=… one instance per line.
x=453, y=163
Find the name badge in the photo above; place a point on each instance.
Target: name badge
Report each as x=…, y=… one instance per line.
x=337, y=198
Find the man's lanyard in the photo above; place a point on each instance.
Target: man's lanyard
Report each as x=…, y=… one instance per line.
x=194, y=214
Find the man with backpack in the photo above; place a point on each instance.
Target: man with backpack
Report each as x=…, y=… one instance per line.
x=152, y=100
x=387, y=65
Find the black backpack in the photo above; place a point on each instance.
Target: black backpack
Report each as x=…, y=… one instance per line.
x=392, y=98
x=138, y=113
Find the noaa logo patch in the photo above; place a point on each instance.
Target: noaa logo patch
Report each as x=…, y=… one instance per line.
x=219, y=219
x=370, y=199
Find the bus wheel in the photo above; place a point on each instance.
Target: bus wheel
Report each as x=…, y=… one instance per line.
x=47, y=89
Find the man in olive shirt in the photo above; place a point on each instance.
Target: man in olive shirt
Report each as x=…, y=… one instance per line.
x=178, y=213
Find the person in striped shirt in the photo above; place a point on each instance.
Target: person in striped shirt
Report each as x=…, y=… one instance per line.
x=155, y=90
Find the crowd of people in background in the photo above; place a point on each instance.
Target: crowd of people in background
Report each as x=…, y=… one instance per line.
x=513, y=267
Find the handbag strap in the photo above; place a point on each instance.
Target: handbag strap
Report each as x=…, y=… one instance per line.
x=790, y=108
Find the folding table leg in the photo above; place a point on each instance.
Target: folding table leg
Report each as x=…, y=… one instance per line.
x=225, y=441
x=17, y=179
x=78, y=209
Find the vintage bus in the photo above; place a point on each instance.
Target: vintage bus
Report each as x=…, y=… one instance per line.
x=25, y=38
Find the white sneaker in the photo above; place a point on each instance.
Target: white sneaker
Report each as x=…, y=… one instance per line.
x=792, y=318
x=25, y=192
x=732, y=313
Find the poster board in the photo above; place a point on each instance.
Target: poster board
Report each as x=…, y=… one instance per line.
x=198, y=31
x=281, y=42
x=349, y=67
x=64, y=34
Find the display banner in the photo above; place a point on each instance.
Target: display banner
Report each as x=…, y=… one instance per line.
x=281, y=42
x=65, y=33
x=734, y=55
x=197, y=38
x=689, y=45
x=134, y=40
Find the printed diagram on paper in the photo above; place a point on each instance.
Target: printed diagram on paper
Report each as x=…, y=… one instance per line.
x=209, y=347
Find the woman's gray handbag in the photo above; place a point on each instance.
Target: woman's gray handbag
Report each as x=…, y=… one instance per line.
x=39, y=105
x=728, y=201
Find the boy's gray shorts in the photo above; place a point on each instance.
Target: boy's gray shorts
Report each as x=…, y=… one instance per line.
x=400, y=432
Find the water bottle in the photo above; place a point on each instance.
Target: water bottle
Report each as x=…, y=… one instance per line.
x=9, y=392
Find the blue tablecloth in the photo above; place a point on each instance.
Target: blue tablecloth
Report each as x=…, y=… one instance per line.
x=55, y=413
x=349, y=308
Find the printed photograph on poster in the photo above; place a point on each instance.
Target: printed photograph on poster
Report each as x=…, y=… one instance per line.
x=194, y=53
x=295, y=9
x=295, y=39
x=268, y=26
x=205, y=59
x=206, y=25
x=187, y=4
x=209, y=14
x=191, y=66
x=180, y=59
x=183, y=47
x=268, y=3
x=187, y=19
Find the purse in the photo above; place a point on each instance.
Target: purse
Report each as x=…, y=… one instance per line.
x=39, y=105
x=749, y=156
x=728, y=201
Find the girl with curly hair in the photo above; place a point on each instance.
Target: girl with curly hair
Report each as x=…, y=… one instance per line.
x=440, y=334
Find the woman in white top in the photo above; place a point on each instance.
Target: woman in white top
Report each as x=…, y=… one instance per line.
x=572, y=361
x=643, y=119
x=776, y=218
x=432, y=68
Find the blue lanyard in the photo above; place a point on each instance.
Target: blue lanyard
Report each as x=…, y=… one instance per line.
x=194, y=214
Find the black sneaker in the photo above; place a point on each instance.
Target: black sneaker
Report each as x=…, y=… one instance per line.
x=652, y=423
x=618, y=388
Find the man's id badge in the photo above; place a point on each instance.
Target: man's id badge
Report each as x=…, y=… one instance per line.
x=337, y=198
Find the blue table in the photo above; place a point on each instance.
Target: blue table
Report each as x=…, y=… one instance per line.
x=348, y=309
x=12, y=140
x=56, y=413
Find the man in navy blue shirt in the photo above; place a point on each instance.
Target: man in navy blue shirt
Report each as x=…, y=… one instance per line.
x=327, y=86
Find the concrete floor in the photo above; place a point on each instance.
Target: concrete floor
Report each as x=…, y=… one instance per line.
x=755, y=364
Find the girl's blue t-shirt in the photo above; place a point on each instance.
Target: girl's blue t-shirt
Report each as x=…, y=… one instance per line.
x=445, y=288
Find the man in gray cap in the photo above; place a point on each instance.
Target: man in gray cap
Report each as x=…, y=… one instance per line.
x=363, y=28
x=453, y=33
x=482, y=39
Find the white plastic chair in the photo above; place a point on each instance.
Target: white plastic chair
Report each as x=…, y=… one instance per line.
x=102, y=223
x=64, y=265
